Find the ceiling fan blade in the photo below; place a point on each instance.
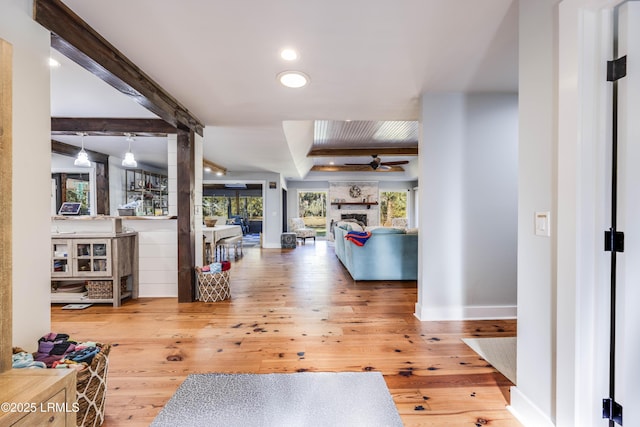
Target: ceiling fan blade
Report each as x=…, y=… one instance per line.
x=399, y=162
x=357, y=164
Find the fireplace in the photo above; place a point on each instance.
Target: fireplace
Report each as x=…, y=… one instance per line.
x=358, y=217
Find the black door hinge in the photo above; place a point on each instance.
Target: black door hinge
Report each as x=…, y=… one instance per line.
x=613, y=241
x=616, y=69
x=612, y=410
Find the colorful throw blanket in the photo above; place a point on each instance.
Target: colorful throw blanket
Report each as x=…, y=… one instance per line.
x=358, y=237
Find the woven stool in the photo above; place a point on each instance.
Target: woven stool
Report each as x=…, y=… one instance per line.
x=214, y=287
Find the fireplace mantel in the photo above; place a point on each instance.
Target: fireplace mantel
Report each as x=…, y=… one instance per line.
x=367, y=204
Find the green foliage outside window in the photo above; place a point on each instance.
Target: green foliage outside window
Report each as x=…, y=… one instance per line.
x=224, y=206
x=78, y=191
x=312, y=207
x=393, y=204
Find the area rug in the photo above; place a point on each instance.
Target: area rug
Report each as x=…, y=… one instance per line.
x=300, y=399
x=499, y=352
x=251, y=240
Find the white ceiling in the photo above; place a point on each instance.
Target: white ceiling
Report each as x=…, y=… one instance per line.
x=367, y=59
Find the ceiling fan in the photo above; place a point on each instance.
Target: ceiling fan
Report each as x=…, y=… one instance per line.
x=377, y=163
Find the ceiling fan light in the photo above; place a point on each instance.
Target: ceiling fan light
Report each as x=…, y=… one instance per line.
x=129, y=161
x=82, y=160
x=293, y=79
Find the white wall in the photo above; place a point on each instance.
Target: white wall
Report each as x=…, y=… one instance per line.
x=31, y=172
x=535, y=394
x=468, y=206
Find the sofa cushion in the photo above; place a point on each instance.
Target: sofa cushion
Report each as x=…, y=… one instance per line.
x=387, y=230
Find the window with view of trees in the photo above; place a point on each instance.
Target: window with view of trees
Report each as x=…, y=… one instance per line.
x=249, y=207
x=393, y=204
x=312, y=208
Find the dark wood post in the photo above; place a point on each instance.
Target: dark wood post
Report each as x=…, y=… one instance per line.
x=186, y=237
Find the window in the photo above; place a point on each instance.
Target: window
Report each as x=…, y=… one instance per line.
x=241, y=205
x=73, y=187
x=312, y=208
x=393, y=204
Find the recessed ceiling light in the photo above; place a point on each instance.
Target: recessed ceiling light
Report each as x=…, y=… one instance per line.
x=332, y=163
x=207, y=169
x=53, y=63
x=288, y=54
x=294, y=79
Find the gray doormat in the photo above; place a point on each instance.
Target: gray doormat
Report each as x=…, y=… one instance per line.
x=499, y=352
x=300, y=399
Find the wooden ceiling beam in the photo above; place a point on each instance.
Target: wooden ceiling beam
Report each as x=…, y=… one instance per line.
x=71, y=150
x=214, y=166
x=110, y=127
x=359, y=168
x=350, y=152
x=78, y=41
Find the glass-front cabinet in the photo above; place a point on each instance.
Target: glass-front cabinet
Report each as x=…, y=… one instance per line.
x=83, y=258
x=149, y=190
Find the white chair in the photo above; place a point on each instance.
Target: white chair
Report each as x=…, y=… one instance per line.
x=399, y=222
x=296, y=225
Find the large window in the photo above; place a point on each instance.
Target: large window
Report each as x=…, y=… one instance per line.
x=312, y=207
x=393, y=204
x=238, y=205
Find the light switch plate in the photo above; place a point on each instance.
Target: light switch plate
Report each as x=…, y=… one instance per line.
x=543, y=224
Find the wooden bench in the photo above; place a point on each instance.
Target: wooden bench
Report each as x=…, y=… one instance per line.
x=224, y=245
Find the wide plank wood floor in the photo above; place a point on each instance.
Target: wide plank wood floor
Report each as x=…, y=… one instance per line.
x=296, y=310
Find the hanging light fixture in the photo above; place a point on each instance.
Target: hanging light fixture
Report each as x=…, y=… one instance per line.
x=129, y=161
x=83, y=158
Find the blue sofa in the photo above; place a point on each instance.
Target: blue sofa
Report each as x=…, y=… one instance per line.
x=389, y=254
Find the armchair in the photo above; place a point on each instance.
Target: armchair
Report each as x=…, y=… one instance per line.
x=296, y=225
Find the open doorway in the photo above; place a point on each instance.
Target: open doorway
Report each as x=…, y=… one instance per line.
x=238, y=204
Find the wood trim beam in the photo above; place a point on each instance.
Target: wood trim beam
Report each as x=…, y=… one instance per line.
x=110, y=127
x=352, y=152
x=6, y=177
x=185, y=159
x=214, y=166
x=77, y=40
x=345, y=168
x=72, y=151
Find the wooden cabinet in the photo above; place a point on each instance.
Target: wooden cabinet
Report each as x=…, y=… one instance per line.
x=81, y=257
x=78, y=260
x=148, y=188
x=38, y=397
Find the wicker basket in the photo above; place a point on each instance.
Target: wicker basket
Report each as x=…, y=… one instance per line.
x=99, y=289
x=91, y=389
x=103, y=289
x=213, y=287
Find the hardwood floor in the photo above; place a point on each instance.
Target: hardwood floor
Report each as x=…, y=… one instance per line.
x=290, y=311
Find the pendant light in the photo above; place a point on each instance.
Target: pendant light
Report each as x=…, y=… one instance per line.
x=129, y=161
x=83, y=158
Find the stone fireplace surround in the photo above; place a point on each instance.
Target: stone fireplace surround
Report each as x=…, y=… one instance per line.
x=339, y=192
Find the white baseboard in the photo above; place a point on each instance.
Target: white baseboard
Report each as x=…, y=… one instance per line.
x=468, y=312
x=158, y=290
x=526, y=411
x=266, y=245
